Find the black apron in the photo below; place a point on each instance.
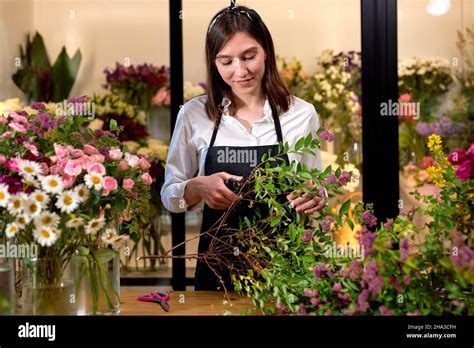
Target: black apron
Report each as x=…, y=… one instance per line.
x=205, y=278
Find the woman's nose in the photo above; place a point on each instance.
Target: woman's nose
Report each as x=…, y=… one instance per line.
x=240, y=68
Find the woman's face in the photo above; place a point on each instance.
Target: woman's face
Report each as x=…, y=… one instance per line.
x=241, y=64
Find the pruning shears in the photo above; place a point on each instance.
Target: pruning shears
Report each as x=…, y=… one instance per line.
x=159, y=297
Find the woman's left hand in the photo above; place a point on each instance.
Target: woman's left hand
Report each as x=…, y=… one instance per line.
x=307, y=203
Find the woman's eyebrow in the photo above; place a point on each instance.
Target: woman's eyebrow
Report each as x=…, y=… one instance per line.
x=246, y=51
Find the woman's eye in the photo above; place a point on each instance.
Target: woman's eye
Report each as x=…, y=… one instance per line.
x=249, y=58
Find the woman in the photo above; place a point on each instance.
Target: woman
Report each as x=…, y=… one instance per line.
x=246, y=111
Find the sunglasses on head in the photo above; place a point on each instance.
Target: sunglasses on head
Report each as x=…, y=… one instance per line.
x=238, y=10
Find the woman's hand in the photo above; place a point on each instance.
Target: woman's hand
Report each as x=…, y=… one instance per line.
x=307, y=203
x=212, y=190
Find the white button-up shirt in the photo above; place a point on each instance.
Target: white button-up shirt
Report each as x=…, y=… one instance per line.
x=192, y=136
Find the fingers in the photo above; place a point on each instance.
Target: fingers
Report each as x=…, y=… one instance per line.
x=308, y=203
x=225, y=175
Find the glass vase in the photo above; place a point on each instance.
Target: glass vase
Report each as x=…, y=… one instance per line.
x=7, y=286
x=47, y=287
x=158, y=123
x=97, y=282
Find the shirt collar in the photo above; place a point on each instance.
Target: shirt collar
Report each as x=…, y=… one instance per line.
x=267, y=109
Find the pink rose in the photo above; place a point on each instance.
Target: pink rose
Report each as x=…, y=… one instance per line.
x=31, y=147
x=68, y=180
x=53, y=170
x=86, y=162
x=98, y=158
x=2, y=159
x=144, y=164
x=77, y=153
x=18, y=127
x=128, y=184
x=105, y=192
x=162, y=97
x=62, y=164
x=404, y=98
x=96, y=168
x=465, y=170
x=60, y=151
x=123, y=165
x=115, y=154
x=44, y=168
x=91, y=149
x=147, y=179
x=12, y=165
x=73, y=168
x=427, y=161
x=110, y=183
x=18, y=118
x=6, y=135
x=133, y=161
x=3, y=120
x=457, y=156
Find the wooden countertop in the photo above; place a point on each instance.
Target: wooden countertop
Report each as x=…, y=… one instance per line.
x=186, y=303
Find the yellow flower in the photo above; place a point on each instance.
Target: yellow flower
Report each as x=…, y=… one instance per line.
x=435, y=173
x=434, y=143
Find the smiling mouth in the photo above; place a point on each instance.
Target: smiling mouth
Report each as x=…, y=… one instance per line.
x=244, y=80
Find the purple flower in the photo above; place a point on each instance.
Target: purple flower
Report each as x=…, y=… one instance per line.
x=457, y=238
x=325, y=135
x=362, y=300
x=464, y=258
x=388, y=225
x=307, y=236
x=310, y=293
x=423, y=129
x=337, y=287
x=331, y=179
x=320, y=269
x=372, y=278
x=282, y=308
x=38, y=106
x=413, y=314
x=366, y=240
x=369, y=219
x=385, y=311
x=80, y=100
x=404, y=249
x=396, y=284
x=344, y=178
x=315, y=301
x=406, y=279
x=458, y=304
x=327, y=223
x=302, y=310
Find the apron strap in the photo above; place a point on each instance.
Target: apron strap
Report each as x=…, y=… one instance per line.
x=276, y=120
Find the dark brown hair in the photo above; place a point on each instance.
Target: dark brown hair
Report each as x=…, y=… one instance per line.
x=222, y=27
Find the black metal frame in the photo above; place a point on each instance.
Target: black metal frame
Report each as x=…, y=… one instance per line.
x=379, y=135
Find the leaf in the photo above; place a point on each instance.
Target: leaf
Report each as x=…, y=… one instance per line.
x=104, y=255
x=299, y=144
x=113, y=125
x=64, y=74
x=275, y=221
x=350, y=223
x=345, y=207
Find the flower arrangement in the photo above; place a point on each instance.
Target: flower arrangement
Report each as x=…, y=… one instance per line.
x=136, y=85
x=286, y=265
x=425, y=79
x=65, y=188
x=163, y=97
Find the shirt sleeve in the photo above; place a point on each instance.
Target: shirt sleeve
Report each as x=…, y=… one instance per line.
x=312, y=125
x=181, y=166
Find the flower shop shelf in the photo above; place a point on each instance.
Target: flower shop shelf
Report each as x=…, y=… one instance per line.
x=186, y=303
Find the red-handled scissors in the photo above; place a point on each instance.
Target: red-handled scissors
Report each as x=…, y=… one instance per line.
x=159, y=297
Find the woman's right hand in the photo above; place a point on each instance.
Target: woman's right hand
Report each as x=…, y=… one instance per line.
x=212, y=190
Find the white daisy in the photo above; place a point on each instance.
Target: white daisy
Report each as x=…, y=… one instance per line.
x=120, y=242
x=22, y=221
x=94, y=180
x=11, y=230
x=52, y=184
x=41, y=197
x=32, y=208
x=15, y=206
x=82, y=192
x=109, y=236
x=4, y=195
x=45, y=236
x=75, y=222
x=94, y=225
x=47, y=219
x=29, y=168
x=67, y=201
